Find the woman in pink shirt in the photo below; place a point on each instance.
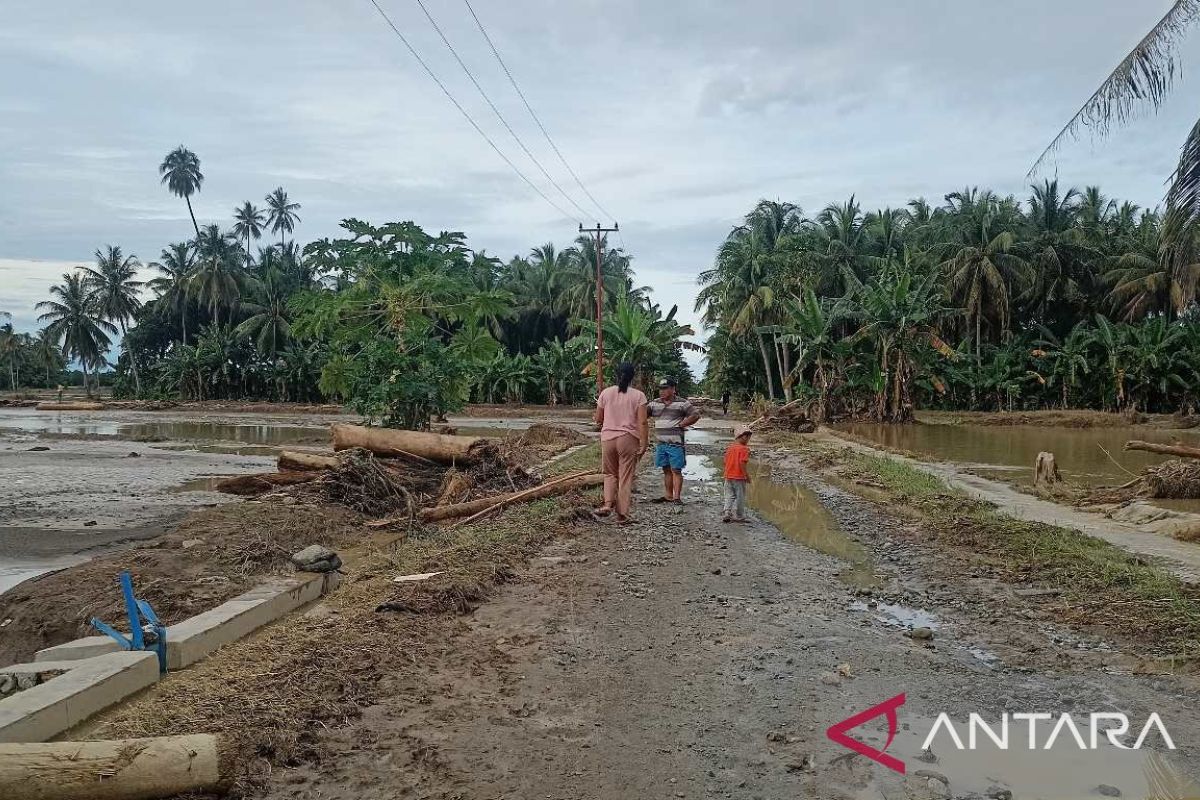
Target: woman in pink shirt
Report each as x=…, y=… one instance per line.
x=621, y=414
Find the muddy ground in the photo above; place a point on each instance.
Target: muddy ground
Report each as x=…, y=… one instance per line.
x=685, y=658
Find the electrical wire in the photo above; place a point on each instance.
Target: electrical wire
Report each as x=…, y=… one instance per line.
x=529, y=108
x=496, y=111
x=467, y=116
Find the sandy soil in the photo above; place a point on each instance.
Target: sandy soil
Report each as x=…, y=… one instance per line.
x=684, y=658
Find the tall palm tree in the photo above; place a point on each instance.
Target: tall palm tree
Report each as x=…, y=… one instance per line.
x=982, y=270
x=218, y=279
x=180, y=171
x=281, y=214
x=47, y=354
x=10, y=351
x=172, y=284
x=81, y=330
x=250, y=221
x=113, y=287
x=1141, y=82
x=268, y=322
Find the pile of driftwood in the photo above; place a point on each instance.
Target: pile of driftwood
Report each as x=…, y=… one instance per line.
x=1177, y=479
x=423, y=475
x=790, y=417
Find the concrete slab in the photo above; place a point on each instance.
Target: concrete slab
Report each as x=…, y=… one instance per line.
x=46, y=710
x=87, y=647
x=194, y=638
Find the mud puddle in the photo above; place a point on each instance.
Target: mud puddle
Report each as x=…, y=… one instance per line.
x=898, y=616
x=802, y=517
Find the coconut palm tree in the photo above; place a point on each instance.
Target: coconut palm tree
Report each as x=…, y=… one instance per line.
x=10, y=351
x=268, y=323
x=176, y=268
x=982, y=269
x=281, y=214
x=250, y=221
x=218, y=279
x=180, y=171
x=114, y=288
x=76, y=323
x=1140, y=82
x=47, y=354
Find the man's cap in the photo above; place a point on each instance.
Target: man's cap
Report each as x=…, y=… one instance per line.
x=741, y=430
x=666, y=383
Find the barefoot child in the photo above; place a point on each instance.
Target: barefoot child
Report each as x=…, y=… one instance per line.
x=736, y=476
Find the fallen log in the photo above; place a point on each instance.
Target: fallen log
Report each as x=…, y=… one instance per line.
x=248, y=485
x=70, y=405
x=560, y=486
x=1179, y=450
x=291, y=461
x=130, y=769
x=418, y=445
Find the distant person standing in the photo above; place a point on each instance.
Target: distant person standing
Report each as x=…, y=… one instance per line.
x=725, y=403
x=737, y=478
x=673, y=415
x=621, y=414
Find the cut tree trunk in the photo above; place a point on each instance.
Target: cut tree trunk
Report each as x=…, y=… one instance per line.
x=247, y=485
x=423, y=446
x=130, y=769
x=1045, y=470
x=291, y=461
x=1180, y=450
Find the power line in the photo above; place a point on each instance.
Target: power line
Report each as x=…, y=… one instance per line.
x=529, y=108
x=463, y=111
x=496, y=111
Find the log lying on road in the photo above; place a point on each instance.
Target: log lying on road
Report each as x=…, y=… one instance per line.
x=423, y=446
x=1180, y=450
x=291, y=461
x=70, y=405
x=130, y=769
x=262, y=482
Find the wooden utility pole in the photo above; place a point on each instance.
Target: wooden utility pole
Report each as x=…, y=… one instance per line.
x=599, y=232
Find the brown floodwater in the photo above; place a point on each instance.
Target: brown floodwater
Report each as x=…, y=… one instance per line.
x=802, y=517
x=1011, y=450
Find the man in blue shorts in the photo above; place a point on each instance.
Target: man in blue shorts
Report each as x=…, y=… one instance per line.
x=671, y=415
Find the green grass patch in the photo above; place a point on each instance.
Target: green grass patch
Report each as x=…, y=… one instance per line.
x=586, y=458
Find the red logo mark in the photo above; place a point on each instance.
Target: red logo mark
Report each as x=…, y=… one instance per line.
x=837, y=732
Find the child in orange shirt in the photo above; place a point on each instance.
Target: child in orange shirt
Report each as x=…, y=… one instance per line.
x=736, y=476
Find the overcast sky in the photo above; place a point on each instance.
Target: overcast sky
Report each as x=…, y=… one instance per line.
x=678, y=116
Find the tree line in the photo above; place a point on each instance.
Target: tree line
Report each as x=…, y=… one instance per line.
x=397, y=322
x=1067, y=299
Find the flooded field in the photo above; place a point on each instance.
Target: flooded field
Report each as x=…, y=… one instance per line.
x=1011, y=450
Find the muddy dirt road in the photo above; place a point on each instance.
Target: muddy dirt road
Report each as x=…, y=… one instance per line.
x=684, y=658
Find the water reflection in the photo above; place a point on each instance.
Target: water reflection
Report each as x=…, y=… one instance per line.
x=800, y=516
x=1014, y=448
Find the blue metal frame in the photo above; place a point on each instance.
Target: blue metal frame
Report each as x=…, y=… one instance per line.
x=137, y=610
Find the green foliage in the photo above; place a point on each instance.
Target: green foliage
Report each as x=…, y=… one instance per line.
x=1069, y=299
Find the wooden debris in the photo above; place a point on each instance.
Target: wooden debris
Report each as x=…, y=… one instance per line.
x=1045, y=470
x=129, y=769
x=791, y=417
x=70, y=405
x=413, y=445
x=1180, y=450
x=263, y=482
x=292, y=461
